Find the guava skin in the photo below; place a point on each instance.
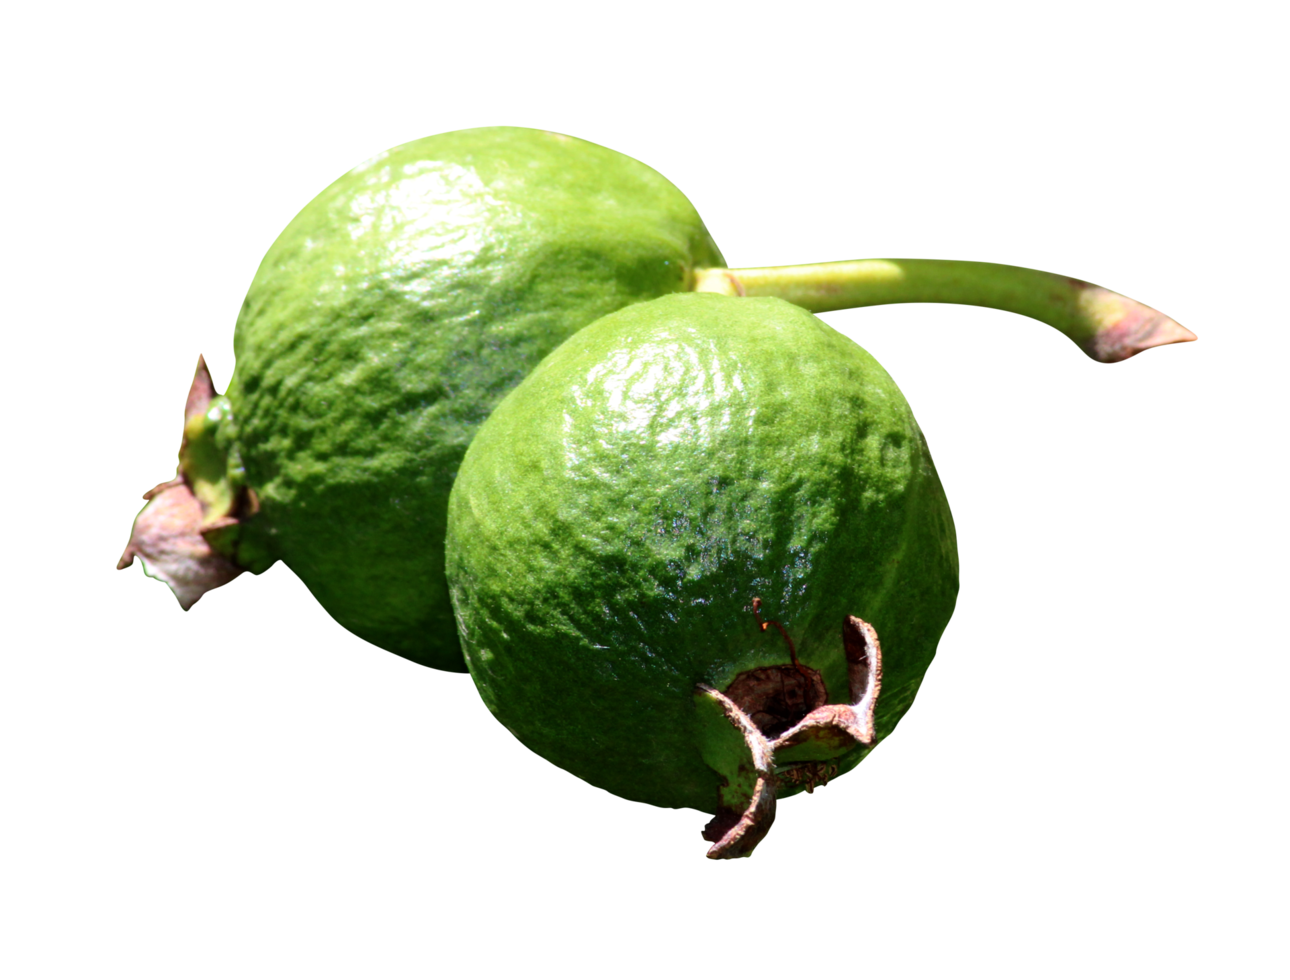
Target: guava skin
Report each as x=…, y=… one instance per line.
x=388, y=320
x=617, y=514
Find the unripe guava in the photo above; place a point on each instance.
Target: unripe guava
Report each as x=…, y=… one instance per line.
x=382, y=327
x=701, y=557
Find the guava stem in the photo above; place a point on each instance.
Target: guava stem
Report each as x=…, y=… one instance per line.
x=1108, y=327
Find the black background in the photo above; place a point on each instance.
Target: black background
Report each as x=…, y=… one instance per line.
x=259, y=724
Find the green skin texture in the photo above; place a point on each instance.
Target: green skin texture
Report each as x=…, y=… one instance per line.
x=389, y=319
x=615, y=517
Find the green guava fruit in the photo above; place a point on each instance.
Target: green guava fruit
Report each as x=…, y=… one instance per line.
x=382, y=327
x=628, y=515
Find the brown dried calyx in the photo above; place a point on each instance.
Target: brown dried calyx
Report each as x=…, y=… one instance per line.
x=789, y=735
x=177, y=531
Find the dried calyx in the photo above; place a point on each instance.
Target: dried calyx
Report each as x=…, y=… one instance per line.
x=771, y=726
x=189, y=526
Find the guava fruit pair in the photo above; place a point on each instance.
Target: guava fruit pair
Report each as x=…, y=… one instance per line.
x=691, y=470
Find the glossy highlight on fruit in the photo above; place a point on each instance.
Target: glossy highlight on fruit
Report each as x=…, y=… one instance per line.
x=701, y=557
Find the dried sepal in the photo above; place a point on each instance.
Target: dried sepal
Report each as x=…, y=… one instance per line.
x=167, y=537
x=201, y=392
x=173, y=534
x=832, y=729
x=747, y=759
x=733, y=746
